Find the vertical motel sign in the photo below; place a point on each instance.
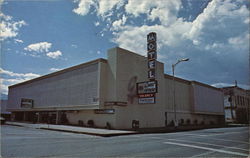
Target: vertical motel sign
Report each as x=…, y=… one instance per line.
x=152, y=55
x=146, y=90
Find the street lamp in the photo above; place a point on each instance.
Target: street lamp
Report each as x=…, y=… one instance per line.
x=173, y=66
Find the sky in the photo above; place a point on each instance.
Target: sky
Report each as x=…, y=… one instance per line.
x=39, y=37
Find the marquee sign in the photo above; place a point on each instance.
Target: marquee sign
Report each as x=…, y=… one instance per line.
x=146, y=87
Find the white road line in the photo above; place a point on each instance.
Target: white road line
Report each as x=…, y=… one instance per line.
x=228, y=140
x=214, y=134
x=193, y=135
x=206, y=148
x=203, y=154
x=188, y=141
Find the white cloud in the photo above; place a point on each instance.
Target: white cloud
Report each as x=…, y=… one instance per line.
x=166, y=11
x=8, y=27
x=18, y=41
x=98, y=52
x=5, y=17
x=74, y=45
x=10, y=78
x=240, y=42
x=54, y=69
x=117, y=25
x=201, y=31
x=83, y=6
x=39, y=47
x=133, y=38
x=54, y=55
x=42, y=49
x=21, y=75
x=216, y=16
x=97, y=23
x=214, y=46
x=103, y=7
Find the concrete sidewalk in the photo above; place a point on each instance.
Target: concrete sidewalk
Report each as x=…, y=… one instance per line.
x=73, y=129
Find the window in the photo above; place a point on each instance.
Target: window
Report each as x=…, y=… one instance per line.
x=238, y=100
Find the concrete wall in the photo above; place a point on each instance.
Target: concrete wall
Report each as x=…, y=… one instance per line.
x=71, y=88
x=207, y=100
x=196, y=103
x=100, y=120
x=183, y=97
x=125, y=70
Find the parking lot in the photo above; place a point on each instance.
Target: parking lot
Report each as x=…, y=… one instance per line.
x=216, y=142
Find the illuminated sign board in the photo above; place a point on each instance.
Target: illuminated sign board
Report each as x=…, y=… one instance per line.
x=148, y=100
x=115, y=103
x=104, y=111
x=146, y=95
x=27, y=103
x=147, y=87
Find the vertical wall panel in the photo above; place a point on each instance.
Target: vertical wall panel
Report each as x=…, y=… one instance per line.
x=76, y=87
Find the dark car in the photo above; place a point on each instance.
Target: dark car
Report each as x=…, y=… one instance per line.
x=2, y=120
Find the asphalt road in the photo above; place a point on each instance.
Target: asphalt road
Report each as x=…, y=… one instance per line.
x=217, y=142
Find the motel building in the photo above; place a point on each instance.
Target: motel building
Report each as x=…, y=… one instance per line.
x=124, y=91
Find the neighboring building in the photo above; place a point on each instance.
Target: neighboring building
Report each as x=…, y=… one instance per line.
x=103, y=93
x=237, y=103
x=3, y=109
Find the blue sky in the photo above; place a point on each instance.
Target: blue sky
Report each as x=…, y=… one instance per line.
x=41, y=36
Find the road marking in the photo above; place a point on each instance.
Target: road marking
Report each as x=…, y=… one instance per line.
x=236, y=141
x=206, y=148
x=188, y=141
x=203, y=154
x=214, y=134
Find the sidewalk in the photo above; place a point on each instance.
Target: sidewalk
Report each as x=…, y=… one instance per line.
x=72, y=129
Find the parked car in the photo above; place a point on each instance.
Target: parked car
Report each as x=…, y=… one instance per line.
x=2, y=120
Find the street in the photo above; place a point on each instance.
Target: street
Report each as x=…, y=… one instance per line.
x=216, y=142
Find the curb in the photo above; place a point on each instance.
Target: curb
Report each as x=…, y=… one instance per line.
x=14, y=125
x=88, y=133
x=71, y=131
